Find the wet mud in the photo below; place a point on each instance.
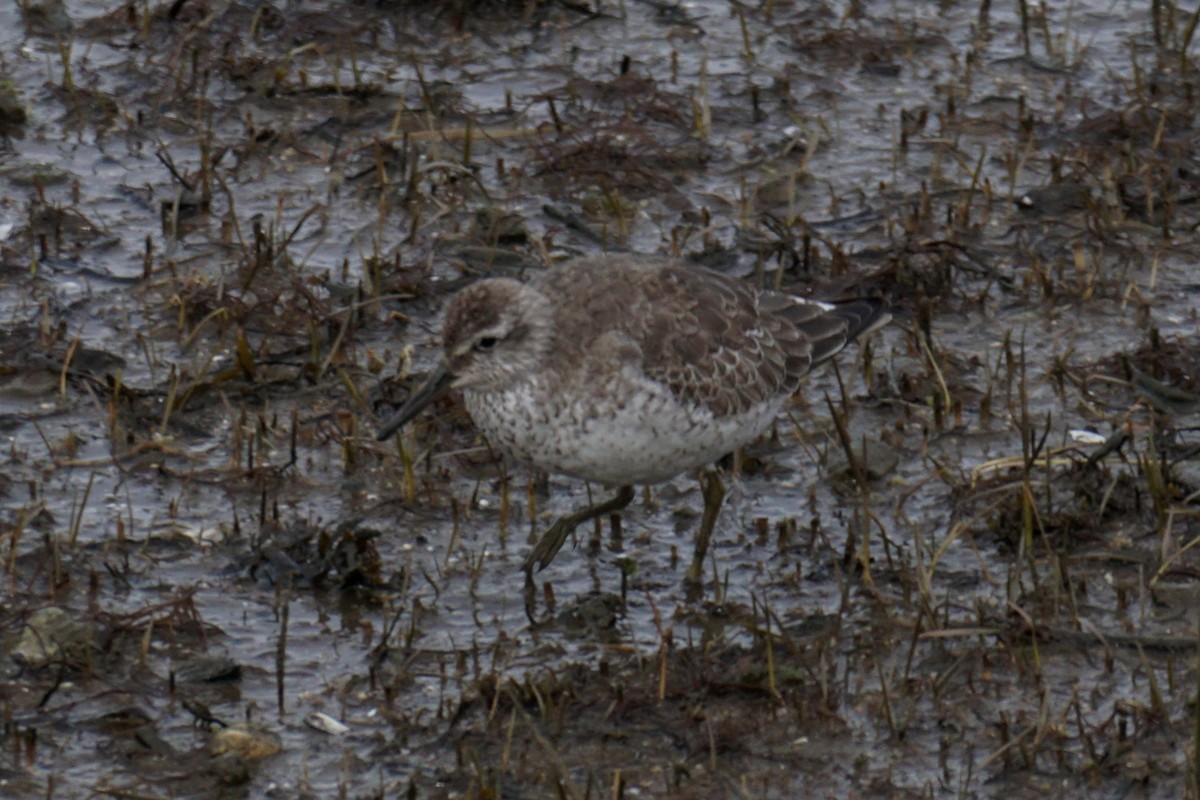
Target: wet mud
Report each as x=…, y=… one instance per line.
x=962, y=565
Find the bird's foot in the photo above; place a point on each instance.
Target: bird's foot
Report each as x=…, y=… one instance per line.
x=551, y=542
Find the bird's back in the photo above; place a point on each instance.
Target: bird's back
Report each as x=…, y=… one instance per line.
x=714, y=341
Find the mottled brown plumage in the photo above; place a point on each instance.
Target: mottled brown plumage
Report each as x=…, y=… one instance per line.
x=629, y=369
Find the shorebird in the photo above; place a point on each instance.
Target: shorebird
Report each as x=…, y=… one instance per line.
x=629, y=369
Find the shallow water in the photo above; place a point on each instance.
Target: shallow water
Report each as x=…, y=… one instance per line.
x=189, y=377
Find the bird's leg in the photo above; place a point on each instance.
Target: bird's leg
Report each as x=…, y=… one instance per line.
x=531, y=599
x=552, y=540
x=714, y=494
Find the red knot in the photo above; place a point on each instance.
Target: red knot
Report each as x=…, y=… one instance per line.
x=629, y=369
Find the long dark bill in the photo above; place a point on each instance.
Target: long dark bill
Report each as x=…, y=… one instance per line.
x=437, y=385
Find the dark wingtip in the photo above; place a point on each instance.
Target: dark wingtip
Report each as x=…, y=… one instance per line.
x=841, y=323
x=865, y=315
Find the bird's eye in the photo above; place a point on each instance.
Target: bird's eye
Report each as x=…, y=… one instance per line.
x=485, y=343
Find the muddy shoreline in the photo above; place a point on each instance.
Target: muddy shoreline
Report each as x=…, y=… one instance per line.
x=226, y=233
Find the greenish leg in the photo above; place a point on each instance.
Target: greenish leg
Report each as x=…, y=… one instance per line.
x=552, y=540
x=714, y=494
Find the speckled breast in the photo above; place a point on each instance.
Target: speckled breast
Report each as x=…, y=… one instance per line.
x=646, y=436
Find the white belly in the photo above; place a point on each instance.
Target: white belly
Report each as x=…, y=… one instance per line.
x=645, y=436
